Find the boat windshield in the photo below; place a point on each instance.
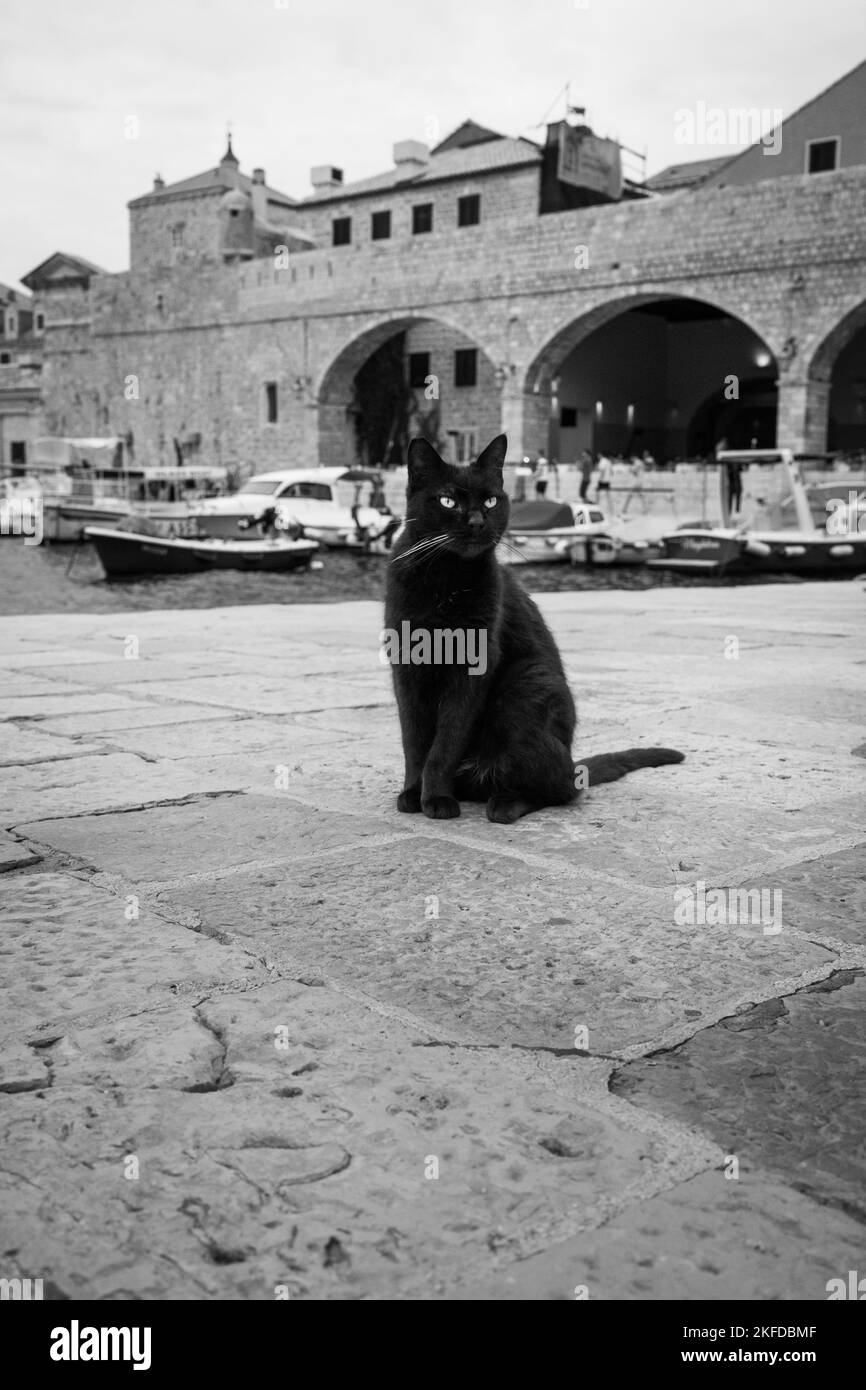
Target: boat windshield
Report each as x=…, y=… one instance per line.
x=258, y=487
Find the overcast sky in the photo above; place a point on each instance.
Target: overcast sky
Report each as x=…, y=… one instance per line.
x=307, y=82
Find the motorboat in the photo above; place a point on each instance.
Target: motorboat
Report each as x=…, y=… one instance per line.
x=759, y=543
x=125, y=553
x=76, y=482
x=542, y=532
x=582, y=533
x=326, y=502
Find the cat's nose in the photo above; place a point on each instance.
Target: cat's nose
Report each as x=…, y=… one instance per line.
x=475, y=520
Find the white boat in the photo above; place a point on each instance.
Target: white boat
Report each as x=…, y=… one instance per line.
x=325, y=502
x=78, y=482
x=753, y=547
x=542, y=532
x=549, y=532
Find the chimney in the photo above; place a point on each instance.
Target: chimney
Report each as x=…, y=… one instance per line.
x=259, y=195
x=324, y=176
x=411, y=156
x=158, y=183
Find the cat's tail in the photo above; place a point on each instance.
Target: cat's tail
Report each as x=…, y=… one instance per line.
x=609, y=767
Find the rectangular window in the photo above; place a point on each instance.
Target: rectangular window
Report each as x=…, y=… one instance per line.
x=466, y=367
x=462, y=445
x=822, y=155
x=380, y=226
x=177, y=234
x=469, y=210
x=18, y=451
x=341, y=231
x=419, y=369
x=568, y=417
x=422, y=218
x=5, y=359
x=271, y=412
x=40, y=322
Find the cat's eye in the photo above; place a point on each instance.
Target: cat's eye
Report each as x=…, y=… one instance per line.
x=448, y=502
x=490, y=501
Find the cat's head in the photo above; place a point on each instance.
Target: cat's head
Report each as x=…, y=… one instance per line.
x=467, y=504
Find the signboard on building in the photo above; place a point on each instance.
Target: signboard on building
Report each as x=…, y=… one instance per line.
x=588, y=161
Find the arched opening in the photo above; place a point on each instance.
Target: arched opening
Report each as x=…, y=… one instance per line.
x=402, y=378
x=843, y=356
x=668, y=376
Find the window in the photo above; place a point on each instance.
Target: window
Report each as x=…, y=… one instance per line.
x=271, y=402
x=40, y=322
x=17, y=451
x=419, y=369
x=822, y=155
x=11, y=324
x=341, y=231
x=422, y=218
x=380, y=226
x=469, y=210
x=462, y=445
x=177, y=234
x=568, y=417
x=5, y=359
x=316, y=492
x=465, y=367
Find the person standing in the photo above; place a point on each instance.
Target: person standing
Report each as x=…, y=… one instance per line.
x=585, y=474
x=605, y=477
x=521, y=473
x=542, y=475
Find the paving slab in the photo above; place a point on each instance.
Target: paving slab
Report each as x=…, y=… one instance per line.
x=749, y=1081
x=289, y=1136
x=153, y=846
x=71, y=950
x=490, y=951
x=704, y=1240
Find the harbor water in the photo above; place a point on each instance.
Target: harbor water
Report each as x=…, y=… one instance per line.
x=70, y=579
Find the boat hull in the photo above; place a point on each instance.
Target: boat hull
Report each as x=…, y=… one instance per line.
x=810, y=556
x=126, y=553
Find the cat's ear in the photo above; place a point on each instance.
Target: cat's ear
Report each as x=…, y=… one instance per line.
x=491, y=459
x=425, y=465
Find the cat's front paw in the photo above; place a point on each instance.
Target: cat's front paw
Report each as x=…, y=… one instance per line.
x=409, y=800
x=441, y=807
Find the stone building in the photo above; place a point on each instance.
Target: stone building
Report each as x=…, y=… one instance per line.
x=486, y=284
x=21, y=334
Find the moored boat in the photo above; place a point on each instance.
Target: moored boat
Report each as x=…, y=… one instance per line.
x=311, y=498
x=752, y=548
x=131, y=552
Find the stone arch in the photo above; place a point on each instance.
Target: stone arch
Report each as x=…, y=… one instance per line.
x=533, y=417
x=571, y=331
x=834, y=398
x=332, y=389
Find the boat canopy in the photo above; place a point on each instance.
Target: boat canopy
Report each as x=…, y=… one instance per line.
x=540, y=515
x=101, y=451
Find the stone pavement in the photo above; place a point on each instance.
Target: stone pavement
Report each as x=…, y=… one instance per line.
x=262, y=1036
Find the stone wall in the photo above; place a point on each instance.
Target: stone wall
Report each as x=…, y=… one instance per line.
x=786, y=257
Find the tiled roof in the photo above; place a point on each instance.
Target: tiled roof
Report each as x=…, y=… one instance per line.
x=481, y=158
x=468, y=133
x=216, y=180
x=686, y=175
x=60, y=266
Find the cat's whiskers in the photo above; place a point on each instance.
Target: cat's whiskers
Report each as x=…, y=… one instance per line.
x=424, y=544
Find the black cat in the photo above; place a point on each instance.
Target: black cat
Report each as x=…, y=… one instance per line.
x=502, y=735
